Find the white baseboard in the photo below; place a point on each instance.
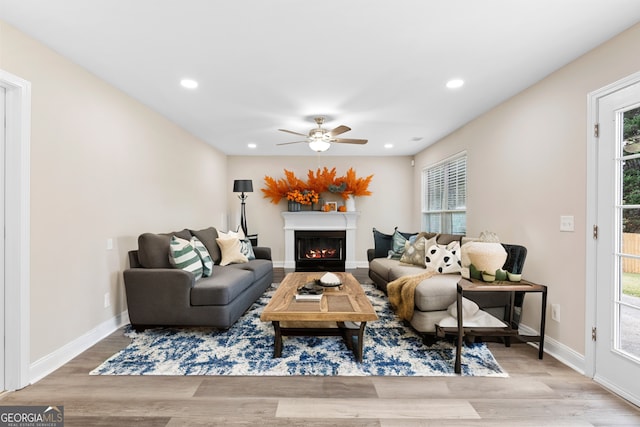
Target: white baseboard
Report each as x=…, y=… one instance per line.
x=49, y=363
x=564, y=354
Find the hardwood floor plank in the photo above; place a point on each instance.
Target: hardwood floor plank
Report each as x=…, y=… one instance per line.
x=461, y=388
x=587, y=409
x=249, y=409
x=381, y=408
x=311, y=386
x=113, y=421
x=290, y=422
x=486, y=423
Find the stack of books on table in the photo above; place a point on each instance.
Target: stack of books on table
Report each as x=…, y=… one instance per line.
x=309, y=292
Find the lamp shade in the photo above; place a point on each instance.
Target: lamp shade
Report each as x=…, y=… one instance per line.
x=243, y=186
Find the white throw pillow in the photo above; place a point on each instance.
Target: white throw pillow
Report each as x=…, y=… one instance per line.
x=231, y=251
x=245, y=244
x=469, y=308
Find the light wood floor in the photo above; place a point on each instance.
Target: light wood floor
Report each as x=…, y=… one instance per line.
x=537, y=393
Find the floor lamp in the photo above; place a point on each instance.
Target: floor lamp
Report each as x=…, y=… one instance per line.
x=243, y=186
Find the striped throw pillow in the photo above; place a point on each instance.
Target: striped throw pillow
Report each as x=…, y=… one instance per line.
x=203, y=253
x=183, y=256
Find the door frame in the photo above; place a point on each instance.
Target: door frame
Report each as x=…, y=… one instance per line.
x=17, y=220
x=593, y=114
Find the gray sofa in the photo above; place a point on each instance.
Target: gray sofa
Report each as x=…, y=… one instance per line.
x=434, y=295
x=160, y=295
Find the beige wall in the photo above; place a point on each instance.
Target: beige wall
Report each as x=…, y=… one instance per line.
x=386, y=208
x=102, y=166
x=527, y=167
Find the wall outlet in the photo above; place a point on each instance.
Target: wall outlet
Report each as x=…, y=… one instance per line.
x=109, y=244
x=555, y=312
x=107, y=300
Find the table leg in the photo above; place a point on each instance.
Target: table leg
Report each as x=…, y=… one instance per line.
x=277, y=340
x=360, y=341
x=458, y=364
x=348, y=334
x=543, y=317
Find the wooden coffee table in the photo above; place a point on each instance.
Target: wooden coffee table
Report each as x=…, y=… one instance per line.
x=342, y=311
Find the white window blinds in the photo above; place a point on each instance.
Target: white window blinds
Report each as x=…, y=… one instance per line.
x=445, y=196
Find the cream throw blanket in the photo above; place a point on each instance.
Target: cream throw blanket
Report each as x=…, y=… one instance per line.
x=401, y=293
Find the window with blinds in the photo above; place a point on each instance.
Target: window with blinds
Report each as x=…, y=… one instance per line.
x=444, y=187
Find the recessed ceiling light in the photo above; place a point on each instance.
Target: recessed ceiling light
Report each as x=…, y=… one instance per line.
x=189, y=83
x=252, y=145
x=455, y=83
x=388, y=145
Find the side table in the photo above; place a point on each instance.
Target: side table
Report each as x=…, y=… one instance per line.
x=472, y=285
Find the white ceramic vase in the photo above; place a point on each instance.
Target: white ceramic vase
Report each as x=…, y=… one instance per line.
x=350, y=203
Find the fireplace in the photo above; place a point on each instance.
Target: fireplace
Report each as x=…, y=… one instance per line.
x=320, y=250
x=320, y=221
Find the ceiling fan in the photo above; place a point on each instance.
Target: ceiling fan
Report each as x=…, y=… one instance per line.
x=320, y=139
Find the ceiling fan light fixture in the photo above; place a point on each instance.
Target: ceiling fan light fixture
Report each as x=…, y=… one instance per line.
x=319, y=145
x=188, y=83
x=455, y=83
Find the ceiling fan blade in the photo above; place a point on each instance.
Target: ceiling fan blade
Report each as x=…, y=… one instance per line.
x=339, y=130
x=294, y=142
x=295, y=133
x=350, y=141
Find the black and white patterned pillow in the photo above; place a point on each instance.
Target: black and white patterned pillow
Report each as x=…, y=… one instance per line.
x=444, y=258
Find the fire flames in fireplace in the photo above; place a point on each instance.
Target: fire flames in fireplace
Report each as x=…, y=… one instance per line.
x=320, y=253
x=320, y=250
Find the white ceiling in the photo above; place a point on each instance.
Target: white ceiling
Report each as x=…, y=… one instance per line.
x=379, y=67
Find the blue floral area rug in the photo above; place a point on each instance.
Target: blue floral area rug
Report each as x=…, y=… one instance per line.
x=246, y=348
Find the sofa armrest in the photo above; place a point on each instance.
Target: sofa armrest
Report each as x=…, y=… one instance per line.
x=262, y=252
x=371, y=254
x=162, y=287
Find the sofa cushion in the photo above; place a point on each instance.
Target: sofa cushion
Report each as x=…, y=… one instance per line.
x=153, y=249
x=184, y=256
x=222, y=287
x=401, y=270
x=208, y=237
x=437, y=292
x=203, y=253
x=382, y=266
x=259, y=267
x=391, y=269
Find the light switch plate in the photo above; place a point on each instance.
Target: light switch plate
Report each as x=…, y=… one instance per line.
x=566, y=223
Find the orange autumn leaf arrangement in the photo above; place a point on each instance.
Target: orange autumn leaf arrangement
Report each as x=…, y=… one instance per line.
x=319, y=181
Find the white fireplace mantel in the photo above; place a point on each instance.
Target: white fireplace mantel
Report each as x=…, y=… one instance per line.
x=318, y=220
